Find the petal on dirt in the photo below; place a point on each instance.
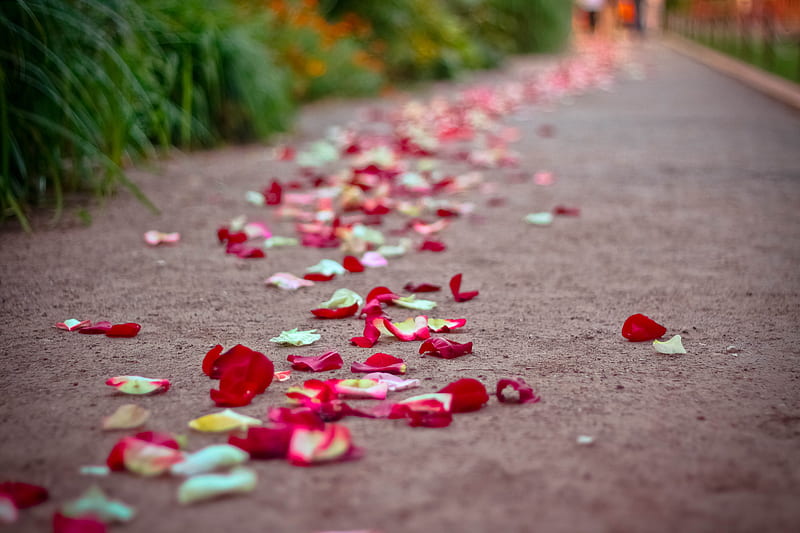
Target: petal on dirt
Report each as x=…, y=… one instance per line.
x=411, y=302
x=273, y=194
x=95, y=503
x=87, y=524
x=311, y=447
x=145, y=458
x=154, y=238
x=672, y=346
x=209, y=486
x=23, y=495
x=425, y=410
x=257, y=230
x=129, y=329
x=318, y=277
x=126, y=416
x=543, y=178
x=210, y=360
x=72, y=324
x=287, y=281
x=396, y=250
x=293, y=337
x=315, y=390
x=445, y=348
x=264, y=442
x=278, y=242
x=283, y=375
x=373, y=260
x=210, y=458
x=98, y=328
x=352, y=264
x=432, y=246
x=411, y=329
x=327, y=267
x=381, y=362
x=429, y=229
x=468, y=395
x=445, y=325
x=342, y=298
x=393, y=383
x=539, y=219
x=421, y=287
x=566, y=211
x=639, y=328
x=455, y=288
x=341, y=312
x=371, y=333
x=319, y=363
x=225, y=420
x=138, y=384
x=359, y=388
x=524, y=392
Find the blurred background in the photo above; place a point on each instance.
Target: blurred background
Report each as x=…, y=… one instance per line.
x=89, y=86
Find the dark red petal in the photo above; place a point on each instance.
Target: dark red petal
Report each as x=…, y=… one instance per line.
x=273, y=193
x=421, y=418
x=432, y=246
x=259, y=370
x=638, y=327
x=320, y=363
x=318, y=277
x=421, y=287
x=380, y=362
x=85, y=524
x=222, y=234
x=339, y=312
x=468, y=395
x=382, y=359
x=129, y=329
x=455, y=288
x=445, y=348
x=566, y=211
x=352, y=264
x=299, y=416
x=446, y=213
x=380, y=293
x=371, y=334
x=524, y=391
x=96, y=329
x=211, y=358
x=156, y=437
x=237, y=394
x=23, y=495
x=264, y=442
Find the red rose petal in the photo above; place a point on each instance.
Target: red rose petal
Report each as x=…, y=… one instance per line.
x=320, y=363
x=211, y=358
x=318, y=277
x=298, y=416
x=96, y=329
x=455, y=288
x=445, y=348
x=273, y=194
x=468, y=395
x=524, y=391
x=116, y=457
x=84, y=524
x=129, y=329
x=371, y=333
x=243, y=373
x=23, y=495
x=381, y=362
x=638, y=327
x=432, y=246
x=447, y=213
x=566, y=211
x=339, y=312
x=264, y=442
x=352, y=264
x=428, y=419
x=421, y=287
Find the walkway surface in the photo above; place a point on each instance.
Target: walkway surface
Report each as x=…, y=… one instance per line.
x=688, y=186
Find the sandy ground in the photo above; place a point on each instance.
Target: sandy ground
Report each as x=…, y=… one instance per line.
x=689, y=187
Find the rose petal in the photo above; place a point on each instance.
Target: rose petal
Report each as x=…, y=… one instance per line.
x=318, y=277
x=445, y=325
x=296, y=416
x=138, y=384
x=66, y=524
x=411, y=302
x=288, y=282
x=73, y=324
x=445, y=348
x=211, y=358
x=225, y=420
x=411, y=329
x=352, y=264
x=23, y=495
x=293, y=337
x=455, y=288
x=320, y=363
x=566, y=211
x=381, y=362
x=313, y=389
x=96, y=329
x=95, y=503
x=359, y=388
x=327, y=267
x=432, y=246
x=265, y=442
x=243, y=373
x=421, y=287
x=525, y=393
x=393, y=383
x=639, y=327
x=209, y=486
x=126, y=416
x=425, y=410
x=129, y=329
x=373, y=260
x=539, y=219
x=311, y=447
x=672, y=346
x=283, y=375
x=154, y=238
x=371, y=333
x=342, y=312
x=209, y=459
x=277, y=241
x=147, y=454
x=273, y=194
x=468, y=395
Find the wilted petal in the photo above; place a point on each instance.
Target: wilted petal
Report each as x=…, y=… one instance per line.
x=226, y=420
x=126, y=416
x=468, y=395
x=525, y=393
x=393, y=383
x=138, y=384
x=310, y=447
x=455, y=288
x=445, y=325
x=328, y=361
x=445, y=348
x=639, y=327
x=672, y=346
x=209, y=459
x=94, y=502
x=208, y=486
x=381, y=362
x=73, y=324
x=371, y=333
x=293, y=337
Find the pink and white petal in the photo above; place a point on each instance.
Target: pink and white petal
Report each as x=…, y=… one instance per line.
x=393, y=383
x=72, y=324
x=138, y=384
x=373, y=260
x=287, y=281
x=445, y=325
x=148, y=459
x=359, y=388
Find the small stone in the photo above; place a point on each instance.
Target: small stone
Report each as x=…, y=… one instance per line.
x=732, y=349
x=585, y=440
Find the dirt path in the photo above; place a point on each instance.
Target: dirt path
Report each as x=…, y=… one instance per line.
x=689, y=187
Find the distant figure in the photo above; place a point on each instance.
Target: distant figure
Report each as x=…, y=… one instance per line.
x=592, y=9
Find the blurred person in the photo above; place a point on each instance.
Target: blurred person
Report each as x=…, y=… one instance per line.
x=592, y=8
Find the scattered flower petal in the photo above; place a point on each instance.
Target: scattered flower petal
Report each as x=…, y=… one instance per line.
x=393, y=383
x=95, y=470
x=265, y=442
x=381, y=362
x=327, y=267
x=283, y=375
x=154, y=238
x=455, y=288
x=209, y=486
x=138, y=384
x=672, y=346
x=411, y=329
x=371, y=333
x=543, y=178
x=468, y=395
x=524, y=392
x=352, y=264
x=73, y=324
x=22, y=495
x=95, y=503
x=432, y=246
x=373, y=260
x=359, y=388
x=411, y=302
x=84, y=524
x=639, y=327
x=543, y=218
x=425, y=410
x=129, y=329
x=8, y=511
x=311, y=446
x=445, y=325
x=146, y=454
x=585, y=440
x=320, y=363
x=209, y=459
x=126, y=416
x=225, y=420
x=98, y=328
x=421, y=287
x=445, y=348
x=287, y=281
x=566, y=211
x=277, y=242
x=293, y=337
